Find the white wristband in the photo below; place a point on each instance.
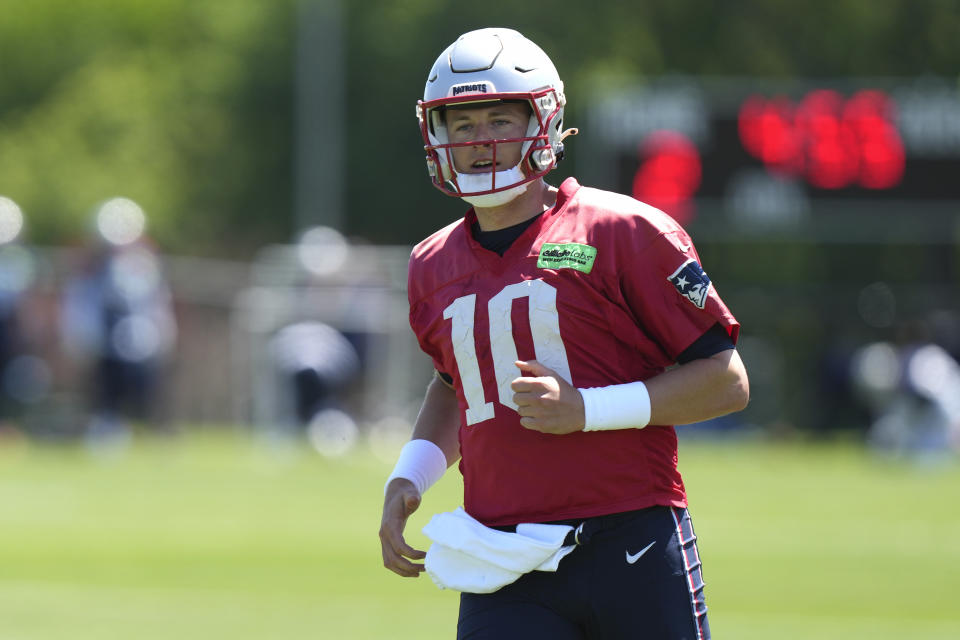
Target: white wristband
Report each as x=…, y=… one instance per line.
x=421, y=462
x=619, y=406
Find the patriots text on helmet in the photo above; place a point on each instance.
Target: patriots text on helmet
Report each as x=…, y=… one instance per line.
x=460, y=89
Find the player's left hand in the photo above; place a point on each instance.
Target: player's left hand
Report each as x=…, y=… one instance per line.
x=545, y=401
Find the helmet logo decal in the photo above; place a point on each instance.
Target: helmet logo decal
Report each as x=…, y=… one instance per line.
x=472, y=87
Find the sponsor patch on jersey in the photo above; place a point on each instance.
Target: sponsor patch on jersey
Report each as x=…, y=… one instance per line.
x=569, y=255
x=471, y=88
x=692, y=282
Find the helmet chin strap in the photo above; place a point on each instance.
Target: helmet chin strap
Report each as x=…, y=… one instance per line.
x=470, y=182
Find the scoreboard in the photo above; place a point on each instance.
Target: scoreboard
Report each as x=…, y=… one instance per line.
x=763, y=155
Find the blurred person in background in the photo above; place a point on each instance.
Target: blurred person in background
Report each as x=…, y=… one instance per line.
x=570, y=329
x=911, y=386
x=24, y=376
x=117, y=321
x=316, y=366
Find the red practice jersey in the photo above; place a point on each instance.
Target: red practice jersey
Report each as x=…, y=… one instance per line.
x=602, y=289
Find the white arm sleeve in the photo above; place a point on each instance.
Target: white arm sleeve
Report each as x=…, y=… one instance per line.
x=421, y=462
x=619, y=406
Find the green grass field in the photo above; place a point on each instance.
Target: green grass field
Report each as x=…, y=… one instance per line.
x=209, y=536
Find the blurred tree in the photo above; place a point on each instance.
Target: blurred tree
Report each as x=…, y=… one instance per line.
x=186, y=106
x=181, y=105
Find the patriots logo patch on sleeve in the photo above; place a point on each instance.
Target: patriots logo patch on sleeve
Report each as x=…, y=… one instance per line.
x=692, y=282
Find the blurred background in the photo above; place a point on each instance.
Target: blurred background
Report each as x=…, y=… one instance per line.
x=262, y=165
x=206, y=208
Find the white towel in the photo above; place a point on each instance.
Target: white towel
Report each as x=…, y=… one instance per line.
x=467, y=556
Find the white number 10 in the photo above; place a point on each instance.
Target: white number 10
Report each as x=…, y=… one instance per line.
x=544, y=327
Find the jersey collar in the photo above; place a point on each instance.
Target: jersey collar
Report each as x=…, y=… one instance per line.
x=522, y=246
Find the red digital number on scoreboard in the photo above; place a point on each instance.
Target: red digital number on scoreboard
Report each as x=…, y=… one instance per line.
x=830, y=141
x=669, y=174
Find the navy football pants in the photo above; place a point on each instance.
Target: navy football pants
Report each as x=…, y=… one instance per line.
x=638, y=576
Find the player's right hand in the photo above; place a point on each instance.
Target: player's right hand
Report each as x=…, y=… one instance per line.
x=401, y=500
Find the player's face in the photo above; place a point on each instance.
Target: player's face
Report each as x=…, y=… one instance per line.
x=498, y=121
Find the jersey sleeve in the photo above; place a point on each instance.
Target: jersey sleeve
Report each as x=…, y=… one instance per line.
x=711, y=343
x=668, y=289
x=419, y=315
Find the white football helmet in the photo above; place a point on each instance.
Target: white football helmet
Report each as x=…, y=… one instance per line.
x=491, y=65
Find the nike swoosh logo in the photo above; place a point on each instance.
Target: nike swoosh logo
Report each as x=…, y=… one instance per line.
x=631, y=558
x=684, y=247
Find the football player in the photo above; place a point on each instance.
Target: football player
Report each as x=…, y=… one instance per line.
x=571, y=329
